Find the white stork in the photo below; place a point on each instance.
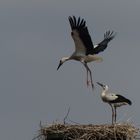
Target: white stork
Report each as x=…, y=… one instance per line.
x=85, y=51
x=114, y=100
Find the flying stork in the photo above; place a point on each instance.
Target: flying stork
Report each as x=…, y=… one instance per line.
x=85, y=51
x=114, y=100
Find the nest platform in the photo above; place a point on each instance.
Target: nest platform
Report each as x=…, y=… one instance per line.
x=122, y=131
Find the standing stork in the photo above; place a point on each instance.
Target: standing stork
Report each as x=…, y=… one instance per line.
x=85, y=51
x=114, y=100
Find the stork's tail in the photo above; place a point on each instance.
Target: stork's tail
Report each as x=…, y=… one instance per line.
x=95, y=58
x=128, y=101
x=98, y=59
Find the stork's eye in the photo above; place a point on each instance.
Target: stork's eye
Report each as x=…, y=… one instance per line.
x=72, y=33
x=61, y=61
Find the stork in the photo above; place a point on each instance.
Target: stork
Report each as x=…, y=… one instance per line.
x=85, y=51
x=114, y=100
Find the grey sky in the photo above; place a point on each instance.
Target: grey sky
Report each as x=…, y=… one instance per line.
x=34, y=35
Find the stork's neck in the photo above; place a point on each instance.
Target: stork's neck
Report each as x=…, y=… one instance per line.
x=104, y=92
x=64, y=59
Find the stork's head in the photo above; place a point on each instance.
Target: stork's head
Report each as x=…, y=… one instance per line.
x=105, y=87
x=64, y=59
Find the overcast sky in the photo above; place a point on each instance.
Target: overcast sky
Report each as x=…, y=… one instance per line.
x=35, y=34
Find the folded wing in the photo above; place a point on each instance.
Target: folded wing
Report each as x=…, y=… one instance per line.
x=121, y=99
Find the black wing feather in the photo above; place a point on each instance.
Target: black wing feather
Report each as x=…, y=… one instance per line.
x=81, y=22
x=84, y=35
x=80, y=26
x=108, y=36
x=74, y=20
x=78, y=22
x=121, y=99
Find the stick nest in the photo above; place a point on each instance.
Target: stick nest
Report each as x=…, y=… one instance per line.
x=88, y=132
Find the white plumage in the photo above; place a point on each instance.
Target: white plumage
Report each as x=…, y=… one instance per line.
x=85, y=51
x=114, y=100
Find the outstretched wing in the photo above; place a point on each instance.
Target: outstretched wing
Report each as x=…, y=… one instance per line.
x=80, y=35
x=108, y=36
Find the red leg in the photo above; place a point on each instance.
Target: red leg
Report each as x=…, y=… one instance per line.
x=88, y=70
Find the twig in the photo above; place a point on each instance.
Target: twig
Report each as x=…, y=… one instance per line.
x=37, y=137
x=66, y=116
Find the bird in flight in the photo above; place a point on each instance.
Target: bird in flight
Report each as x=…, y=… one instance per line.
x=85, y=51
x=114, y=100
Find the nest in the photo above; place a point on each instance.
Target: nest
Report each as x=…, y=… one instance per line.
x=88, y=132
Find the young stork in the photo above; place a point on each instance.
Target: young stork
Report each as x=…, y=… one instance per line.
x=114, y=100
x=85, y=51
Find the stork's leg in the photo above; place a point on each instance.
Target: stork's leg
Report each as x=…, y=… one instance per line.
x=91, y=79
x=112, y=113
x=88, y=82
x=115, y=108
x=88, y=70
